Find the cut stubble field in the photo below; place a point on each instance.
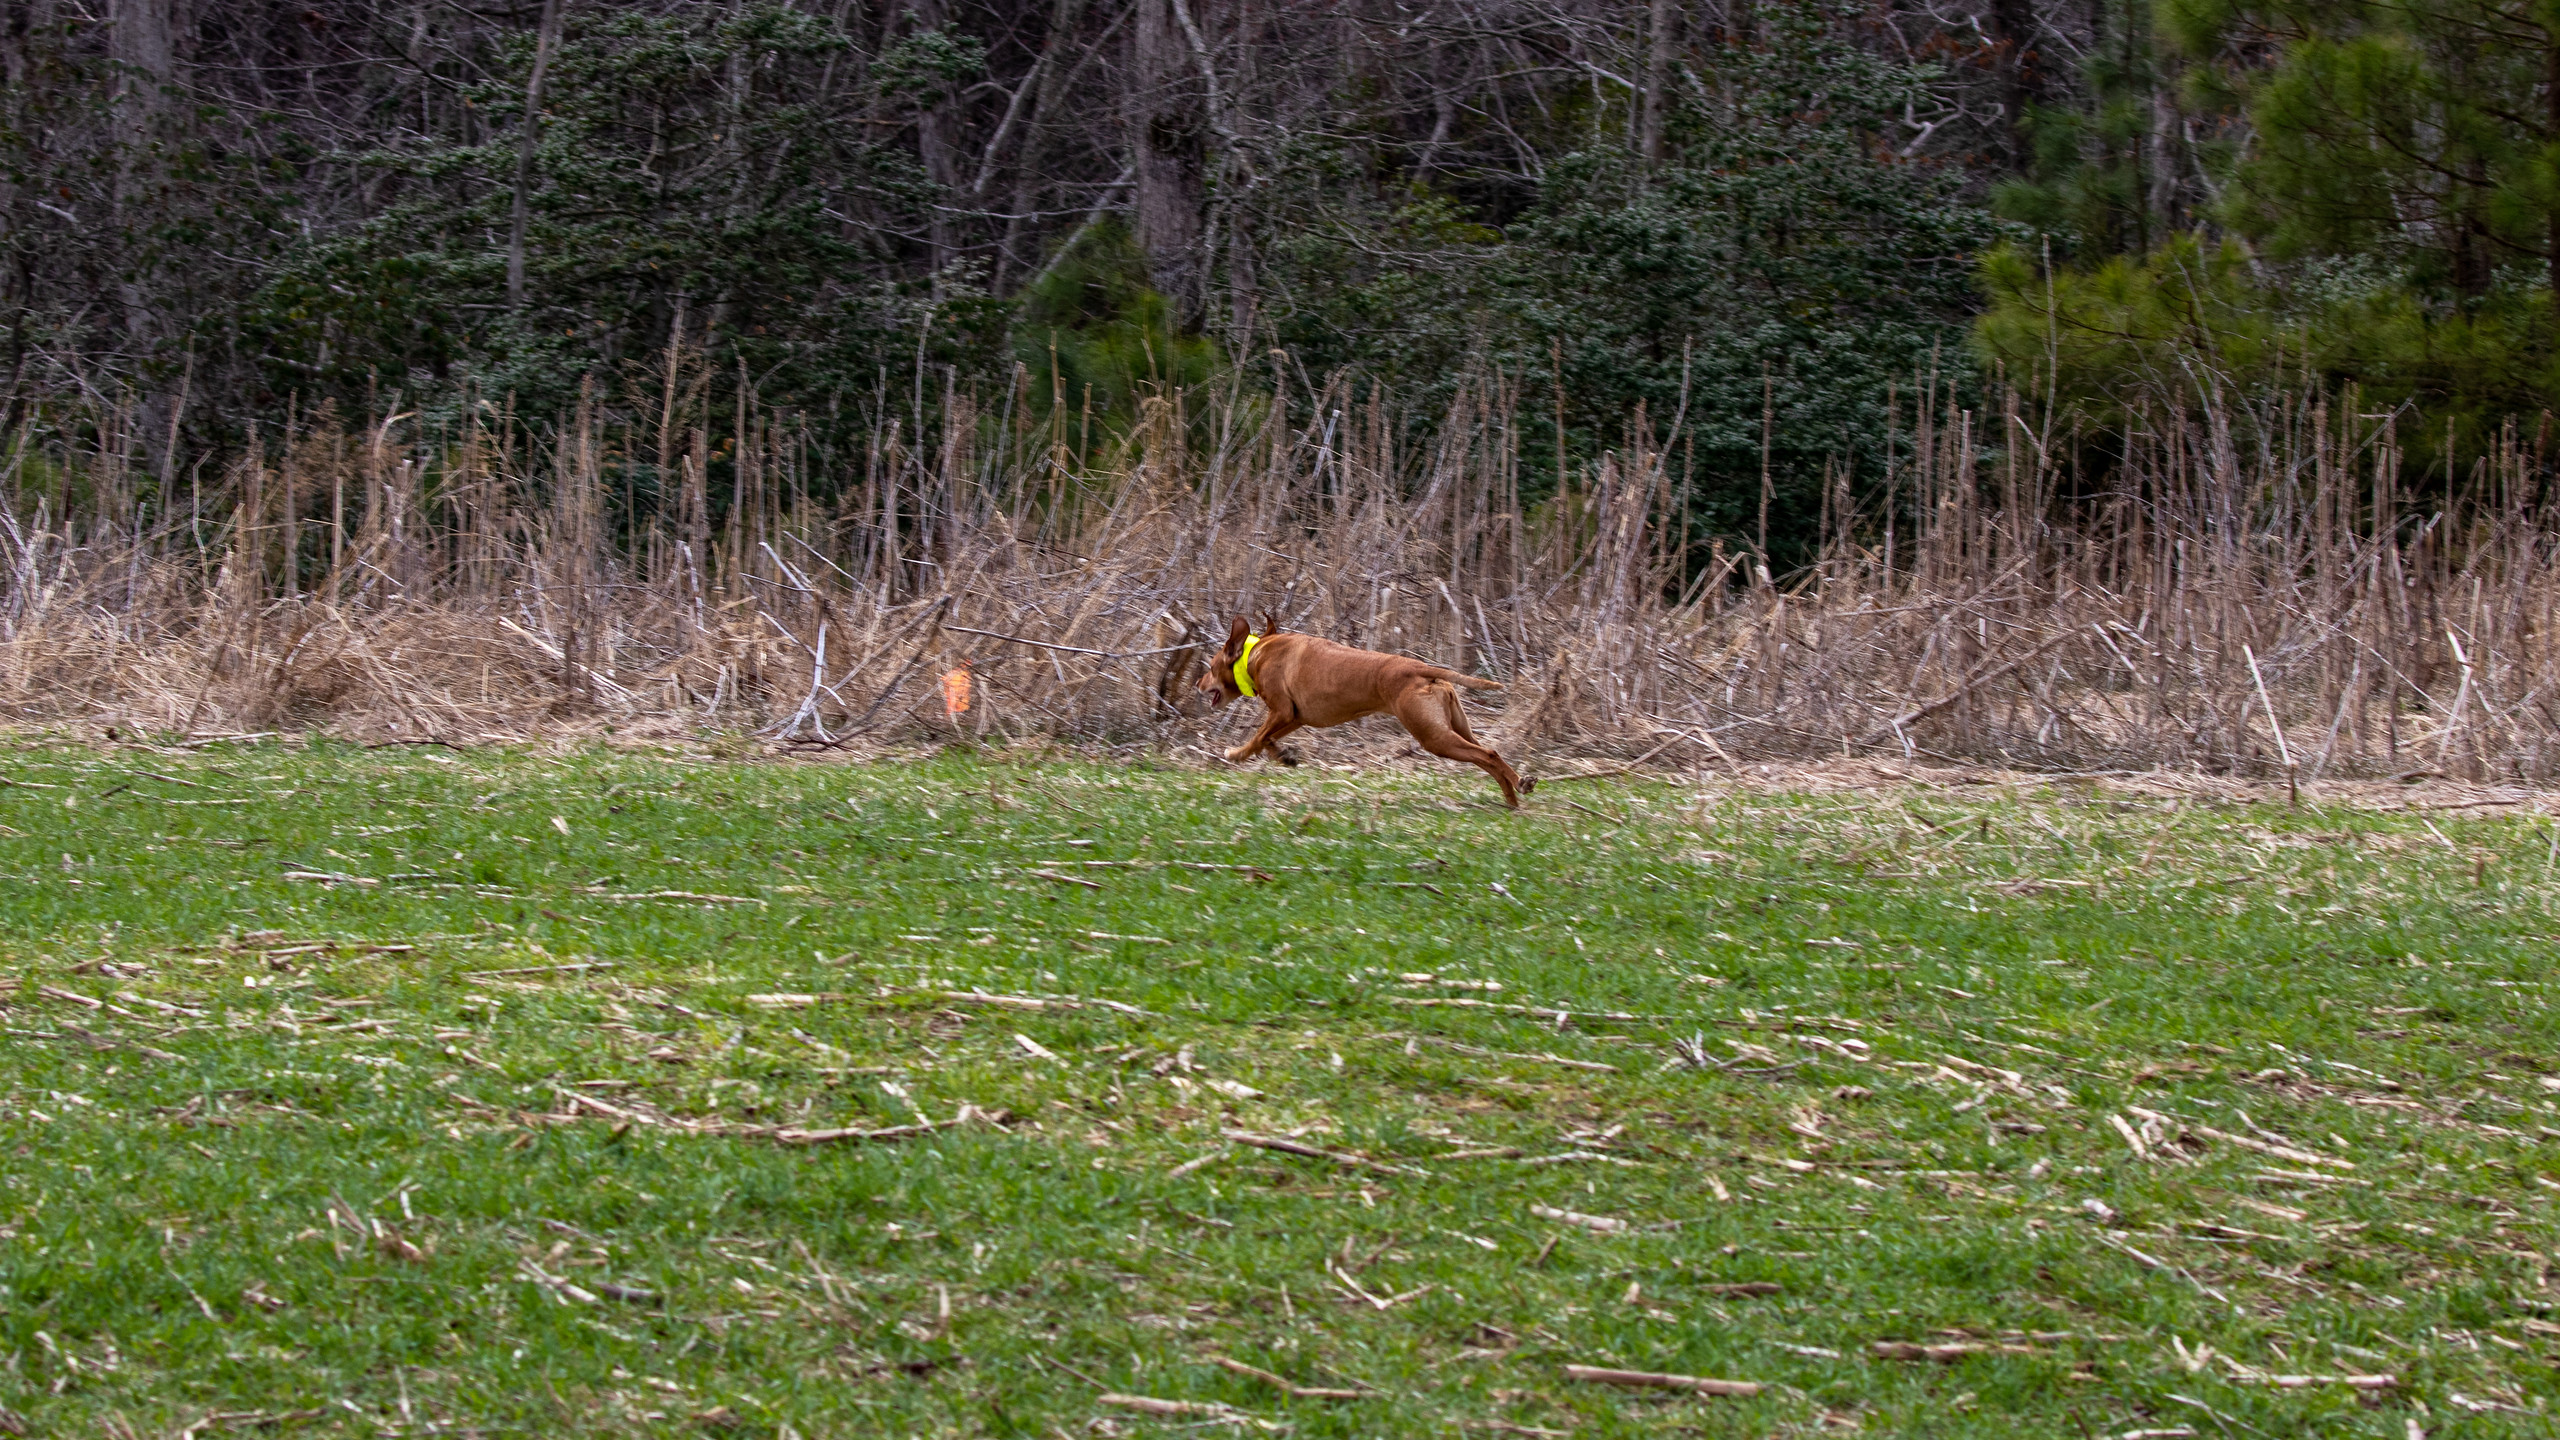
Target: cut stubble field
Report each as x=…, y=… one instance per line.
x=424, y=1092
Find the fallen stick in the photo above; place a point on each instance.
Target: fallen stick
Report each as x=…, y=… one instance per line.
x=789, y=1000
x=2281, y=1152
x=1063, y=1002
x=343, y=947
x=1706, y=738
x=1071, y=649
x=1313, y=1152
x=1543, y=1014
x=1514, y=1055
x=95, y=1041
x=1180, y=1409
x=2298, y=1178
x=566, y=1289
x=1287, y=1387
x=1150, y=1405
x=1962, y=688
x=554, y=652
x=782, y=1135
x=199, y=741
x=1605, y=1224
x=1652, y=1380
x=670, y=895
x=893, y=1132
x=1196, y=1162
x=1947, y=1352
x=2302, y=1382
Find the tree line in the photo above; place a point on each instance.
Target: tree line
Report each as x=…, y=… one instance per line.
x=1743, y=229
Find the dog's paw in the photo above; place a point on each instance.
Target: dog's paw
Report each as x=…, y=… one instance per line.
x=1527, y=786
x=1283, y=756
x=1235, y=752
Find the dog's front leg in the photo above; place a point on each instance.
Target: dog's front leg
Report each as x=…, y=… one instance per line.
x=1273, y=727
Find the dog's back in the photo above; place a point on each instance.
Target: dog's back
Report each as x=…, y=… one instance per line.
x=1326, y=683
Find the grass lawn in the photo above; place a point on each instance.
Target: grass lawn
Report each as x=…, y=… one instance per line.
x=421, y=1092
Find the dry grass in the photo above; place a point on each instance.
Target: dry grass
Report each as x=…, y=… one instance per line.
x=388, y=583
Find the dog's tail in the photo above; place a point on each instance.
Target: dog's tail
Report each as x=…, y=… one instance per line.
x=1472, y=682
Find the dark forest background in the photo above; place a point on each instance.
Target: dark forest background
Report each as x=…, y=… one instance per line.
x=1749, y=228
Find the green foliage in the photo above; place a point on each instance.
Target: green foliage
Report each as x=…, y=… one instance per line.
x=2185, y=316
x=2196, y=319
x=2398, y=132
x=1780, y=243
x=2087, y=180
x=927, y=64
x=1096, y=340
x=2391, y=224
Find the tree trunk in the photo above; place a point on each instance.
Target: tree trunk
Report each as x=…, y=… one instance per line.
x=2013, y=27
x=2551, y=136
x=143, y=40
x=1661, y=36
x=1167, y=143
x=1042, y=87
x=546, y=39
x=938, y=145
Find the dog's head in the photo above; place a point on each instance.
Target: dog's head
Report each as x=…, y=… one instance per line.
x=1219, y=681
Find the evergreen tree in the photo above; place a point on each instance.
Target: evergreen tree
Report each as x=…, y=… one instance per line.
x=2393, y=219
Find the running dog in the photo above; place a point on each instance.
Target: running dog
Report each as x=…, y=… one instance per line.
x=1309, y=683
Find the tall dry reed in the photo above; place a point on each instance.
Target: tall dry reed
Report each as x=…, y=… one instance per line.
x=1985, y=604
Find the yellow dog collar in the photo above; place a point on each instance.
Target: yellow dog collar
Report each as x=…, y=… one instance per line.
x=1244, y=682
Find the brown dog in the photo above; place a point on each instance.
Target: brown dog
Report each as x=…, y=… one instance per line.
x=1304, y=682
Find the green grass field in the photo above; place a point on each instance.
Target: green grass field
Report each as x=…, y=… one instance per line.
x=422, y=1092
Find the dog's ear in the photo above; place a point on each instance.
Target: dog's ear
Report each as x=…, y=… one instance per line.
x=1270, y=622
x=1237, y=629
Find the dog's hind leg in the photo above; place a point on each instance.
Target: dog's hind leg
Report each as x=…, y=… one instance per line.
x=1457, y=715
x=1429, y=713
x=1458, y=722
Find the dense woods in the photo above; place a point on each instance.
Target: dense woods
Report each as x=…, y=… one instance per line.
x=1751, y=214
x=216, y=211
x=1893, y=297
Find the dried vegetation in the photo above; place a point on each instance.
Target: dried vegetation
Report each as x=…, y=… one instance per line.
x=387, y=580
